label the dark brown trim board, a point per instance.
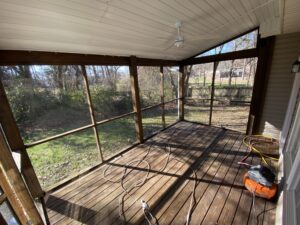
(249, 53)
(228, 40)
(182, 71)
(135, 92)
(162, 95)
(15, 57)
(265, 52)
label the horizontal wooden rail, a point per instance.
(158, 105)
(175, 99)
(85, 171)
(249, 53)
(114, 118)
(58, 136)
(75, 130)
(195, 98)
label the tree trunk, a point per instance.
(77, 77)
(174, 87)
(60, 79)
(187, 78)
(230, 73)
(244, 69)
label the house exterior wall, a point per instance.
(286, 51)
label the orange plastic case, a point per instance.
(258, 189)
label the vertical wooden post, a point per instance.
(92, 112)
(265, 52)
(136, 99)
(2, 221)
(212, 95)
(249, 130)
(15, 188)
(16, 144)
(162, 96)
(181, 92)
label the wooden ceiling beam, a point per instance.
(249, 53)
(16, 57)
(224, 42)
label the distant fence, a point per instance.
(226, 93)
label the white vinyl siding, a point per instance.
(286, 51)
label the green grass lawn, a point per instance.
(56, 160)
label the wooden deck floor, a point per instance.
(211, 152)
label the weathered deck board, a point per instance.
(220, 196)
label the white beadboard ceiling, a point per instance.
(145, 28)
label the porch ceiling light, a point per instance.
(296, 66)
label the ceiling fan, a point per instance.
(180, 39)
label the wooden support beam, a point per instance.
(162, 96)
(181, 92)
(226, 41)
(2, 221)
(92, 111)
(265, 52)
(212, 95)
(15, 142)
(155, 62)
(14, 57)
(14, 187)
(136, 99)
(249, 53)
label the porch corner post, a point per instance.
(16, 144)
(136, 99)
(162, 96)
(181, 94)
(265, 53)
(212, 95)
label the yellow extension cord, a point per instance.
(254, 149)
